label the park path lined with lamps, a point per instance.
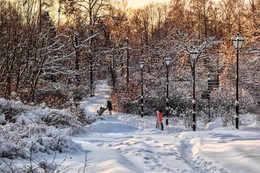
(237, 42)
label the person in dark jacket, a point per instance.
(109, 106)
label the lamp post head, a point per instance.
(238, 41)
(194, 54)
(168, 61)
(141, 63)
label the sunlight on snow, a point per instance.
(111, 127)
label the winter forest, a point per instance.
(52, 53)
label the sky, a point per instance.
(127, 143)
(139, 3)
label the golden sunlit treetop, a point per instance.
(140, 3)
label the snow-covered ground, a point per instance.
(124, 143)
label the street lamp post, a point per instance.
(208, 96)
(194, 55)
(237, 42)
(127, 61)
(167, 61)
(141, 63)
(91, 80)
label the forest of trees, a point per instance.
(55, 50)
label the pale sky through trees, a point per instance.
(139, 3)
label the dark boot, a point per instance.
(162, 125)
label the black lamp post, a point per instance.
(91, 80)
(141, 63)
(127, 61)
(237, 42)
(194, 55)
(208, 96)
(167, 61)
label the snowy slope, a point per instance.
(125, 143)
(122, 143)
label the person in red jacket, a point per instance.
(159, 119)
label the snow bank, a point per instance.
(111, 127)
(212, 125)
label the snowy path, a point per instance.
(130, 149)
(101, 96)
(145, 151)
(123, 143)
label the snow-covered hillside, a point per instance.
(124, 143)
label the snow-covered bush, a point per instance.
(10, 150)
(9, 112)
(212, 125)
(2, 119)
(4, 167)
(36, 130)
